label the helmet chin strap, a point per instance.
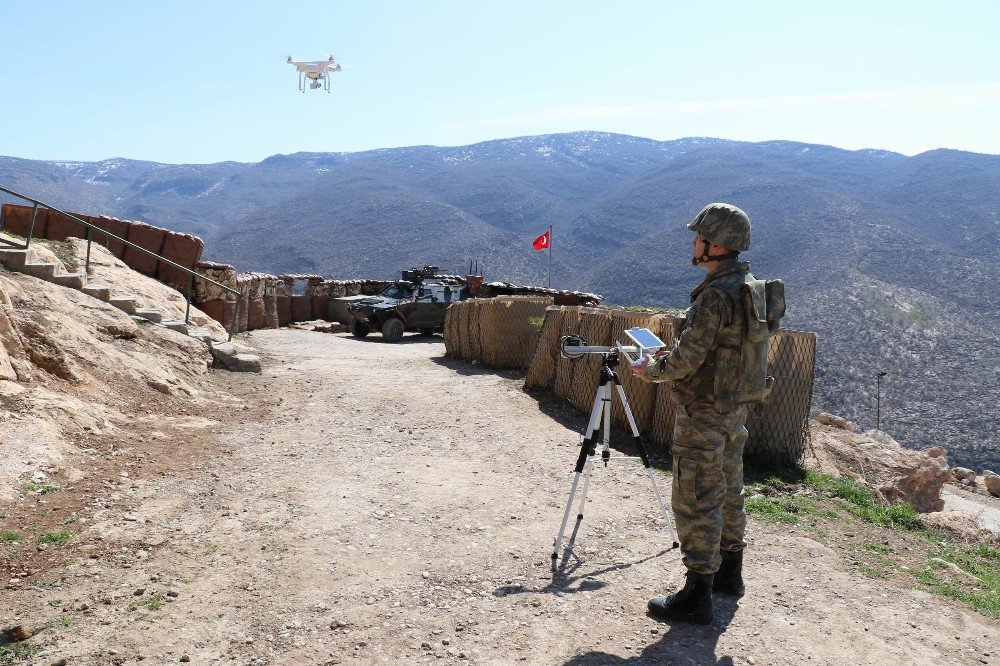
(705, 257)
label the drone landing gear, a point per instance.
(600, 419)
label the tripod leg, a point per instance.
(582, 461)
(645, 462)
(586, 486)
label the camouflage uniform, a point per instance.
(711, 409)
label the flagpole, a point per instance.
(550, 256)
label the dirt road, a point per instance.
(369, 503)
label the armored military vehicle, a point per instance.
(415, 303)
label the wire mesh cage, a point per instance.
(509, 329)
(779, 433)
(662, 431)
(595, 329)
(641, 395)
(542, 369)
(564, 367)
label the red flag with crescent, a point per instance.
(542, 242)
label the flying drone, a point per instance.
(315, 71)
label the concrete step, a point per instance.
(126, 303)
(13, 259)
(176, 325)
(154, 315)
(100, 291)
(202, 334)
(72, 280)
(42, 271)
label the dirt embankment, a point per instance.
(81, 384)
(370, 503)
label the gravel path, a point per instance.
(374, 503)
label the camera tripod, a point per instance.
(600, 419)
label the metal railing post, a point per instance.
(31, 227)
(86, 267)
(187, 313)
(236, 315)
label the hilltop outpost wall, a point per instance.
(524, 333)
(270, 301)
(298, 298)
(182, 249)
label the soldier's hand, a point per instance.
(640, 367)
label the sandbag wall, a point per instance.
(499, 332)
(270, 301)
(180, 248)
(322, 294)
(778, 435)
(559, 296)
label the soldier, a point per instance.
(718, 367)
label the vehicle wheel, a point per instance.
(359, 330)
(427, 331)
(392, 330)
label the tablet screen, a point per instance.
(645, 338)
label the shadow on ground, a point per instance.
(680, 643)
(408, 339)
(562, 412)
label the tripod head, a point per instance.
(574, 347)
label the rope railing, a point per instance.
(192, 275)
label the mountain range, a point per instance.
(891, 259)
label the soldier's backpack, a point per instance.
(765, 306)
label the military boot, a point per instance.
(729, 578)
(692, 604)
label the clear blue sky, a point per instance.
(207, 81)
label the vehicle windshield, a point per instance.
(397, 291)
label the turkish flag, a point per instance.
(542, 242)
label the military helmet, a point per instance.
(723, 224)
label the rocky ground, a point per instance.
(360, 502)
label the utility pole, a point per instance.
(550, 257)
(878, 400)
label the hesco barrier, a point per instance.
(595, 329)
(255, 314)
(641, 395)
(461, 328)
(118, 228)
(570, 325)
(542, 368)
(60, 227)
(17, 220)
(149, 238)
(661, 430)
(183, 249)
(781, 434)
(450, 339)
(778, 435)
(509, 328)
(475, 334)
(499, 332)
(180, 248)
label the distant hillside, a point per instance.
(891, 259)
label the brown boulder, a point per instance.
(992, 482)
(835, 421)
(876, 459)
